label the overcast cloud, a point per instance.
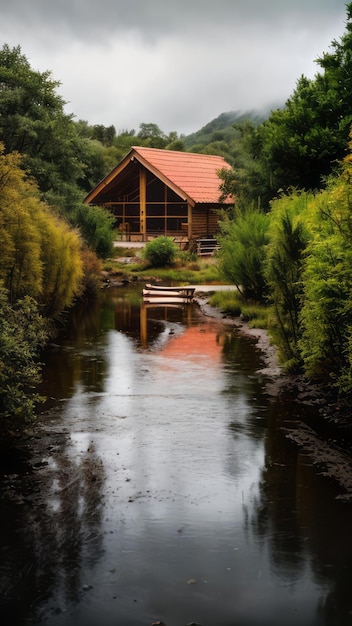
(176, 63)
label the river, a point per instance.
(159, 486)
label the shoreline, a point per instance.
(325, 439)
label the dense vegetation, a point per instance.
(288, 244)
(285, 244)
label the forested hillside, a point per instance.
(223, 127)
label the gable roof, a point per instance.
(192, 176)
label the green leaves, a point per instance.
(40, 255)
(22, 332)
(288, 236)
(241, 256)
(160, 252)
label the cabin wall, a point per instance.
(204, 222)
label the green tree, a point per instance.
(152, 136)
(65, 163)
(250, 181)
(41, 254)
(20, 255)
(33, 122)
(303, 142)
(104, 134)
(96, 226)
(288, 238)
(326, 315)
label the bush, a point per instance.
(160, 252)
(96, 227)
(22, 332)
(242, 253)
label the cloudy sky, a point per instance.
(175, 63)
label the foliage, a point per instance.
(22, 332)
(326, 315)
(288, 236)
(306, 139)
(95, 225)
(242, 252)
(223, 128)
(62, 265)
(247, 181)
(40, 255)
(229, 302)
(160, 252)
(91, 272)
(300, 144)
(66, 159)
(33, 122)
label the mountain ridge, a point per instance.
(225, 121)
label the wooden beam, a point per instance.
(143, 202)
(189, 219)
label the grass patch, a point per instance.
(124, 252)
(257, 316)
(185, 269)
(228, 302)
(231, 303)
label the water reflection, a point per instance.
(161, 487)
(50, 527)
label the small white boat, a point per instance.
(169, 292)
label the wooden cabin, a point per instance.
(154, 192)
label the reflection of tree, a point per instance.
(77, 354)
(276, 513)
(296, 515)
(49, 534)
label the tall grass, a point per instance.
(232, 303)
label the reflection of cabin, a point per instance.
(155, 192)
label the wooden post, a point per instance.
(165, 210)
(189, 219)
(143, 203)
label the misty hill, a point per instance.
(221, 128)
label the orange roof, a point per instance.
(191, 175)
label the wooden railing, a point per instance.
(207, 246)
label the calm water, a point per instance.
(160, 487)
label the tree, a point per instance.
(104, 134)
(288, 237)
(326, 316)
(303, 142)
(20, 262)
(152, 136)
(41, 254)
(64, 163)
(33, 122)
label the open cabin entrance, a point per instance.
(149, 209)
